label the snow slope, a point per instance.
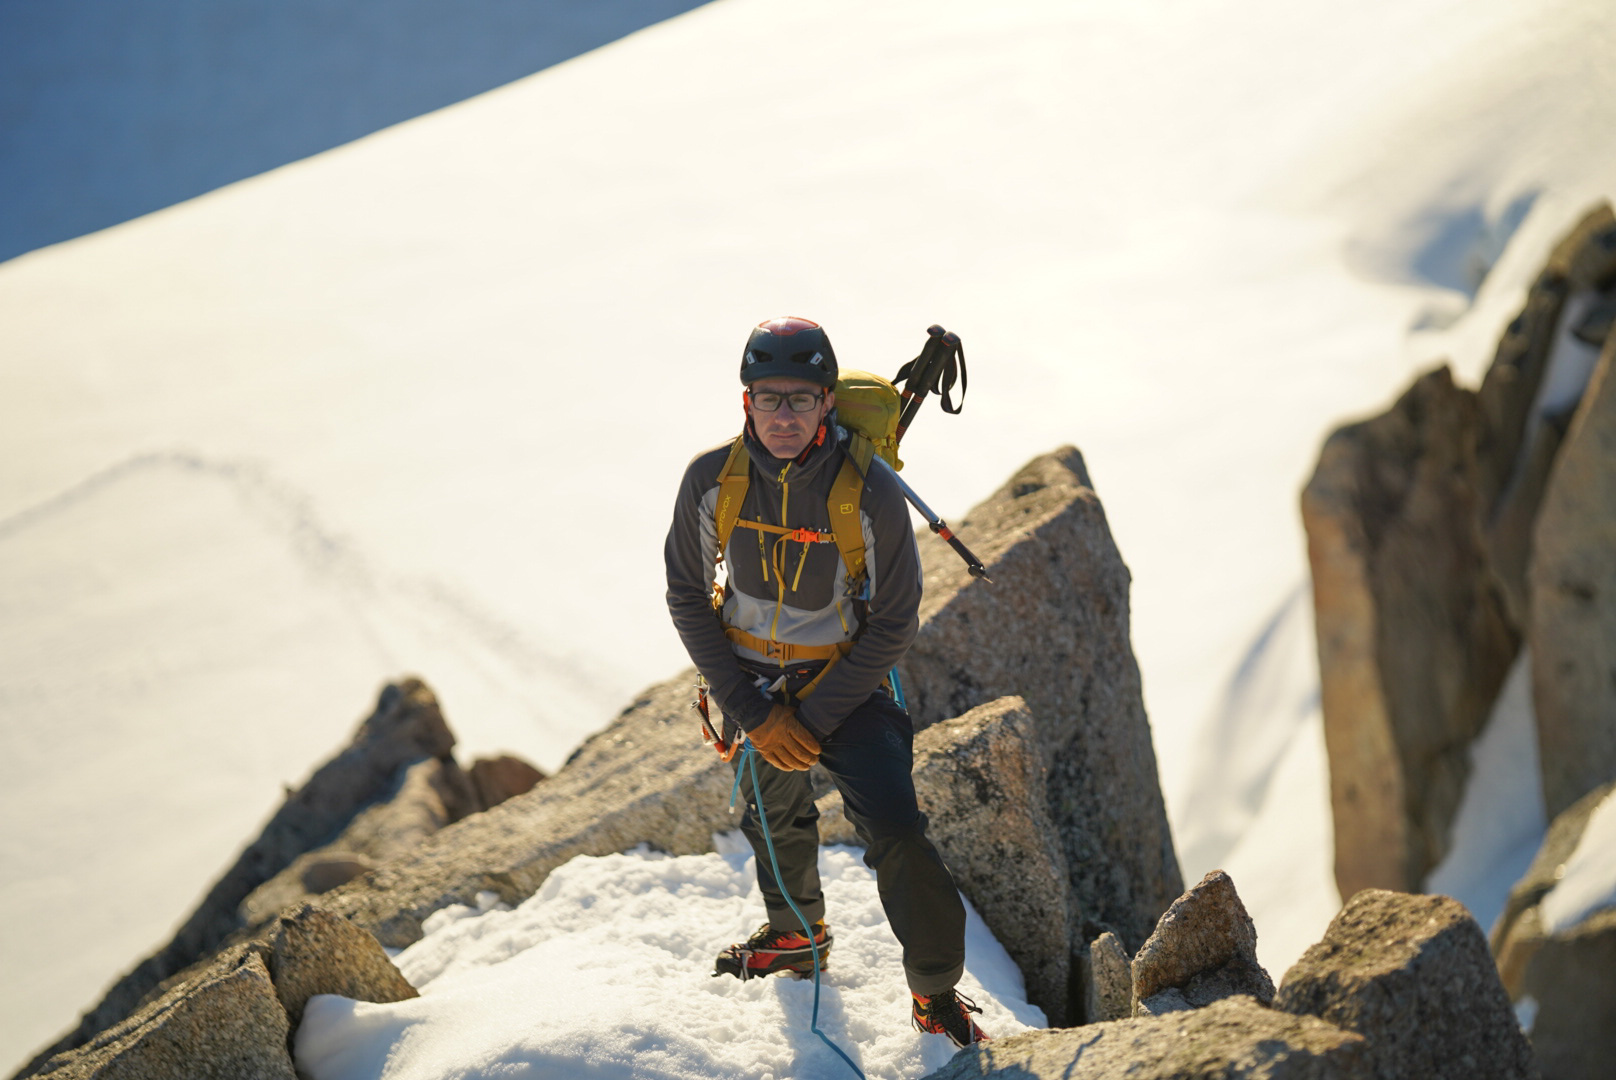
(115, 110)
(1187, 236)
(606, 970)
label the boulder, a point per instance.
(315, 952)
(1053, 628)
(1565, 977)
(1413, 635)
(1204, 949)
(499, 778)
(405, 727)
(233, 1015)
(1573, 602)
(981, 780)
(225, 1025)
(1233, 1039)
(1110, 981)
(1413, 976)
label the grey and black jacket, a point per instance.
(813, 605)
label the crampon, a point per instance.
(949, 1014)
(771, 952)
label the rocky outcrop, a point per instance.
(981, 779)
(1204, 949)
(406, 726)
(1110, 980)
(429, 795)
(1413, 976)
(1565, 977)
(1573, 602)
(646, 778)
(315, 952)
(233, 1016)
(1414, 641)
(1421, 525)
(1233, 1039)
(1053, 627)
(226, 1026)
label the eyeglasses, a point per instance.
(800, 401)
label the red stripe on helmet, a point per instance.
(787, 325)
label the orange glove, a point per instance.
(784, 742)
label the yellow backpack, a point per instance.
(869, 405)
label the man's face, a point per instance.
(784, 433)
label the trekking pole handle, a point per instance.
(937, 524)
(923, 374)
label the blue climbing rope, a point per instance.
(897, 691)
(749, 756)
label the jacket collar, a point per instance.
(804, 465)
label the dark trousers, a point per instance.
(869, 757)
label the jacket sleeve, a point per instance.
(893, 617)
(691, 554)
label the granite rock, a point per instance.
(1573, 602)
(1110, 982)
(226, 1025)
(1233, 1039)
(1413, 634)
(980, 779)
(1413, 976)
(1422, 526)
(1565, 977)
(1204, 948)
(1053, 627)
(314, 952)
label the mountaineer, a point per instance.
(819, 601)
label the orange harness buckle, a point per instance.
(806, 536)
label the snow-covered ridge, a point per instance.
(607, 968)
(1136, 217)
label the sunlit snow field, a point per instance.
(420, 403)
(606, 972)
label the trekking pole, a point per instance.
(941, 361)
(937, 524)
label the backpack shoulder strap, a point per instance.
(843, 506)
(733, 480)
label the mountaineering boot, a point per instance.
(948, 1013)
(770, 950)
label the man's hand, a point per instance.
(784, 742)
